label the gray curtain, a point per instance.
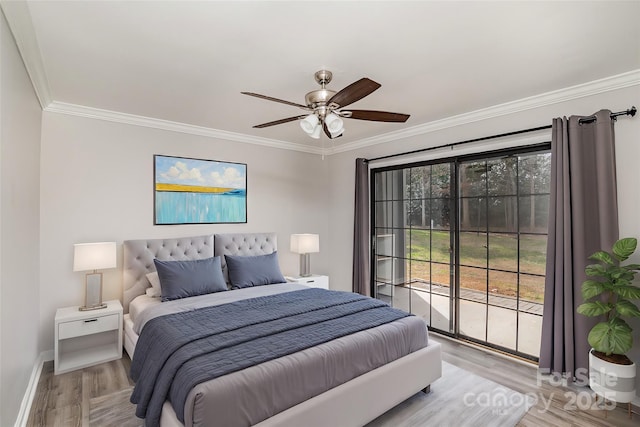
(583, 219)
(361, 234)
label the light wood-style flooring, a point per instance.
(67, 399)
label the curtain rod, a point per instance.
(630, 112)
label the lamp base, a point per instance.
(93, 307)
(305, 265)
(93, 292)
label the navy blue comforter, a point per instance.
(176, 352)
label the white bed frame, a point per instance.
(352, 404)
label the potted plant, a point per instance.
(610, 293)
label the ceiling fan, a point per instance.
(326, 107)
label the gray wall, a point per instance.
(20, 121)
(97, 185)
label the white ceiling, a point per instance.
(187, 62)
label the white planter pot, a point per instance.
(612, 381)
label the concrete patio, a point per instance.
(505, 326)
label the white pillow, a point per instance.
(154, 291)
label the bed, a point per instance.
(333, 385)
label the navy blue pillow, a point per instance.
(181, 279)
(246, 271)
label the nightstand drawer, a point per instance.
(89, 326)
(313, 281)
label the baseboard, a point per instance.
(29, 394)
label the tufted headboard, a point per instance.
(139, 255)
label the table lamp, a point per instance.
(304, 244)
(93, 257)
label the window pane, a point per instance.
(503, 289)
(503, 214)
(420, 304)
(420, 182)
(501, 327)
(390, 214)
(473, 319)
(440, 214)
(473, 284)
(473, 179)
(473, 214)
(441, 180)
(420, 244)
(440, 312)
(503, 251)
(385, 242)
(383, 214)
(534, 214)
(420, 275)
(441, 246)
(473, 249)
(440, 278)
(532, 289)
(397, 184)
(419, 213)
(529, 333)
(533, 253)
(534, 173)
(502, 176)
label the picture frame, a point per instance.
(198, 191)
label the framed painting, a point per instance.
(196, 191)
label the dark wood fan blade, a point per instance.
(279, 122)
(282, 101)
(377, 116)
(354, 92)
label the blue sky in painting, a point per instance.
(177, 170)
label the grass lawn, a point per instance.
(477, 253)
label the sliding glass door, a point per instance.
(462, 243)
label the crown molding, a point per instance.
(131, 119)
(619, 81)
(19, 20)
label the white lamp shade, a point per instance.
(334, 124)
(94, 256)
(305, 243)
(309, 124)
(316, 132)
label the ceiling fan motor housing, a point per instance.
(318, 97)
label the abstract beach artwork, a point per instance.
(195, 191)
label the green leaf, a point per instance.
(627, 308)
(604, 257)
(620, 273)
(623, 248)
(595, 270)
(594, 308)
(611, 337)
(628, 292)
(618, 322)
(631, 267)
(591, 288)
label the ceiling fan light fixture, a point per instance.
(309, 124)
(316, 132)
(335, 125)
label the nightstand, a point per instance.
(314, 281)
(86, 338)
